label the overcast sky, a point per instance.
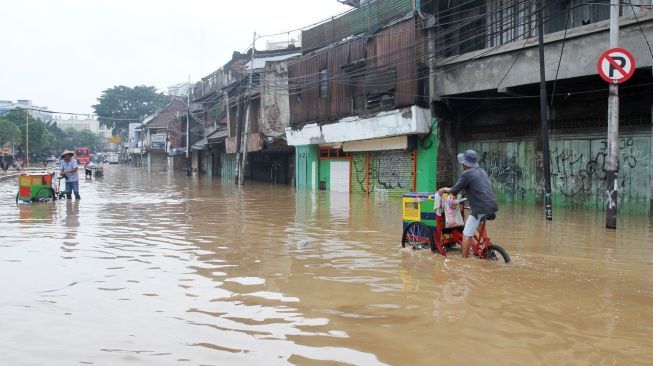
(63, 53)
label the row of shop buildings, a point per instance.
(379, 100)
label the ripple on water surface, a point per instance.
(164, 269)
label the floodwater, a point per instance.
(167, 270)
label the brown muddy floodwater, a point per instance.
(169, 270)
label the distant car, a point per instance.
(51, 159)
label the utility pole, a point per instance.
(613, 128)
(241, 178)
(188, 162)
(238, 133)
(26, 138)
(544, 115)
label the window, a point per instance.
(333, 153)
(324, 83)
(380, 87)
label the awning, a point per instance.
(200, 145)
(217, 136)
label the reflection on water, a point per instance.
(167, 270)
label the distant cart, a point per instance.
(38, 187)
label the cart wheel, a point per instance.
(436, 245)
(418, 236)
(45, 194)
(495, 253)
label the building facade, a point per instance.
(78, 124)
(486, 98)
(359, 104)
(244, 111)
(163, 137)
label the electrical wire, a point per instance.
(311, 81)
(648, 44)
(562, 50)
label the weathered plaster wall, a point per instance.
(275, 111)
(405, 121)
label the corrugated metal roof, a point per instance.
(199, 145)
(218, 135)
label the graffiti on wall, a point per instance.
(388, 171)
(505, 173)
(579, 170)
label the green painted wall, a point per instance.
(511, 167)
(325, 173)
(578, 171)
(427, 160)
(305, 156)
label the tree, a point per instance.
(122, 105)
(38, 133)
(9, 133)
(59, 140)
(86, 138)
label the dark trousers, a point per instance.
(72, 187)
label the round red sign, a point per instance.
(616, 65)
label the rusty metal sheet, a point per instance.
(390, 61)
(255, 142)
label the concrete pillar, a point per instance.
(306, 166)
(209, 164)
(149, 162)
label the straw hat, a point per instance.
(67, 152)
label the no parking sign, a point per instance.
(616, 65)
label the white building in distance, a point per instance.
(79, 124)
(34, 111)
(179, 90)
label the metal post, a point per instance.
(26, 138)
(544, 115)
(189, 170)
(613, 128)
(241, 179)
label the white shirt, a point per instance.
(72, 164)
